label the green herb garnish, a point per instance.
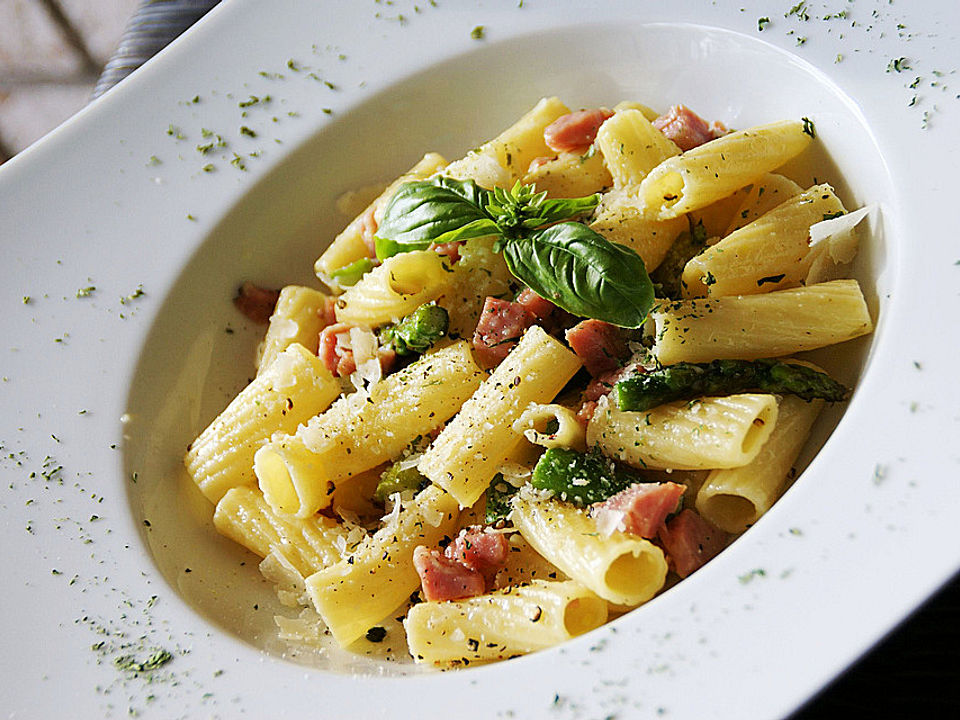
(376, 634)
(566, 262)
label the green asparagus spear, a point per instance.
(580, 478)
(685, 381)
(668, 272)
(418, 330)
(350, 274)
(396, 480)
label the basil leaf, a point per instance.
(582, 272)
(428, 211)
(557, 209)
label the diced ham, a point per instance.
(586, 411)
(539, 306)
(690, 541)
(575, 131)
(368, 228)
(603, 385)
(600, 345)
(684, 127)
(480, 550)
(450, 250)
(328, 313)
(334, 350)
(605, 382)
(501, 325)
(445, 579)
(256, 302)
(718, 129)
(645, 507)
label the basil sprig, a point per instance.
(571, 265)
(433, 211)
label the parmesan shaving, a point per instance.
(366, 355)
(410, 461)
(307, 628)
(290, 586)
(392, 517)
(515, 473)
(843, 245)
(608, 521)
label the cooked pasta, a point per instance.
(298, 318)
(770, 253)
(717, 169)
(467, 454)
(299, 472)
(503, 623)
(757, 326)
(497, 428)
(293, 388)
(710, 432)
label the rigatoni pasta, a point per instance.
(759, 326)
(735, 498)
(503, 623)
(299, 472)
(466, 455)
(293, 388)
(717, 169)
(495, 426)
(298, 318)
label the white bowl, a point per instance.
(859, 540)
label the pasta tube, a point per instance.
(308, 544)
(734, 499)
(471, 448)
(632, 146)
(570, 175)
(770, 253)
(624, 569)
(395, 289)
(712, 432)
(534, 421)
(502, 624)
(299, 472)
(718, 168)
(365, 587)
(764, 195)
(621, 220)
(297, 318)
(749, 327)
(292, 389)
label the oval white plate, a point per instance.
(107, 557)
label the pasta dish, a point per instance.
(539, 384)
